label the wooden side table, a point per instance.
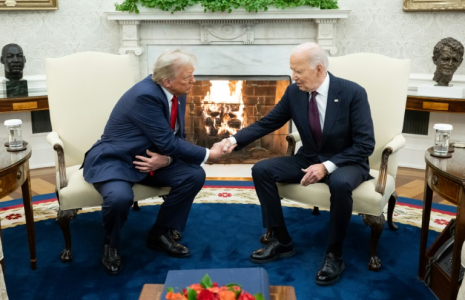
(31, 103)
(278, 292)
(14, 172)
(446, 177)
(435, 104)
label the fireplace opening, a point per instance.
(219, 106)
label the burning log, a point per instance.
(235, 123)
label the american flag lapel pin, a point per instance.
(336, 100)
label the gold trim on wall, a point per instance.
(433, 5)
(28, 4)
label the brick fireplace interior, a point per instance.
(219, 106)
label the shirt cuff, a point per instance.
(232, 140)
(206, 156)
(330, 167)
(169, 160)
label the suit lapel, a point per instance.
(332, 107)
(181, 113)
(165, 102)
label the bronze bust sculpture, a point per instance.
(447, 56)
(14, 60)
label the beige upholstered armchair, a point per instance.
(385, 80)
(83, 88)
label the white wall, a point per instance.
(377, 26)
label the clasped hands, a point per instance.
(155, 161)
(220, 149)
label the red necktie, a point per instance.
(174, 112)
(314, 119)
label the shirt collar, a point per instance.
(168, 95)
(324, 87)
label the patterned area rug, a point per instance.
(407, 211)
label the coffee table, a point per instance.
(278, 292)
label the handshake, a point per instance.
(220, 149)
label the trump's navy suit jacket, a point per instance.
(347, 136)
(139, 121)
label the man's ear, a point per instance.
(1, 60)
(166, 82)
(24, 58)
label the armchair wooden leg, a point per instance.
(136, 206)
(265, 238)
(316, 211)
(63, 218)
(391, 205)
(376, 224)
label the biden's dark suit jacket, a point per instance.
(139, 121)
(347, 137)
(347, 141)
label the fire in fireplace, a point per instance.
(219, 106)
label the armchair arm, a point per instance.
(54, 139)
(292, 139)
(393, 146)
(398, 142)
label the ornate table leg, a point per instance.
(29, 213)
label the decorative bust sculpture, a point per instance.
(14, 60)
(447, 56)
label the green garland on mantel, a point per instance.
(222, 5)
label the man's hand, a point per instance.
(314, 173)
(228, 148)
(216, 150)
(154, 162)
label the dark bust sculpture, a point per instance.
(14, 60)
(447, 56)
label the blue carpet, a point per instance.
(219, 236)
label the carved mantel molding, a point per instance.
(229, 28)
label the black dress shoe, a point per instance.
(175, 235)
(331, 270)
(111, 260)
(166, 244)
(272, 251)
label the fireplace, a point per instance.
(237, 43)
(219, 106)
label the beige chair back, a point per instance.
(382, 89)
(83, 88)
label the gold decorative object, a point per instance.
(433, 5)
(29, 5)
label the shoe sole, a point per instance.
(319, 282)
(264, 261)
(182, 255)
(112, 273)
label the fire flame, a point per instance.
(223, 108)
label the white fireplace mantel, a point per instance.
(193, 27)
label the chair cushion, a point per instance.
(79, 193)
(366, 199)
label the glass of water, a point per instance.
(15, 140)
(441, 138)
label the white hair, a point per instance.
(314, 53)
(169, 62)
